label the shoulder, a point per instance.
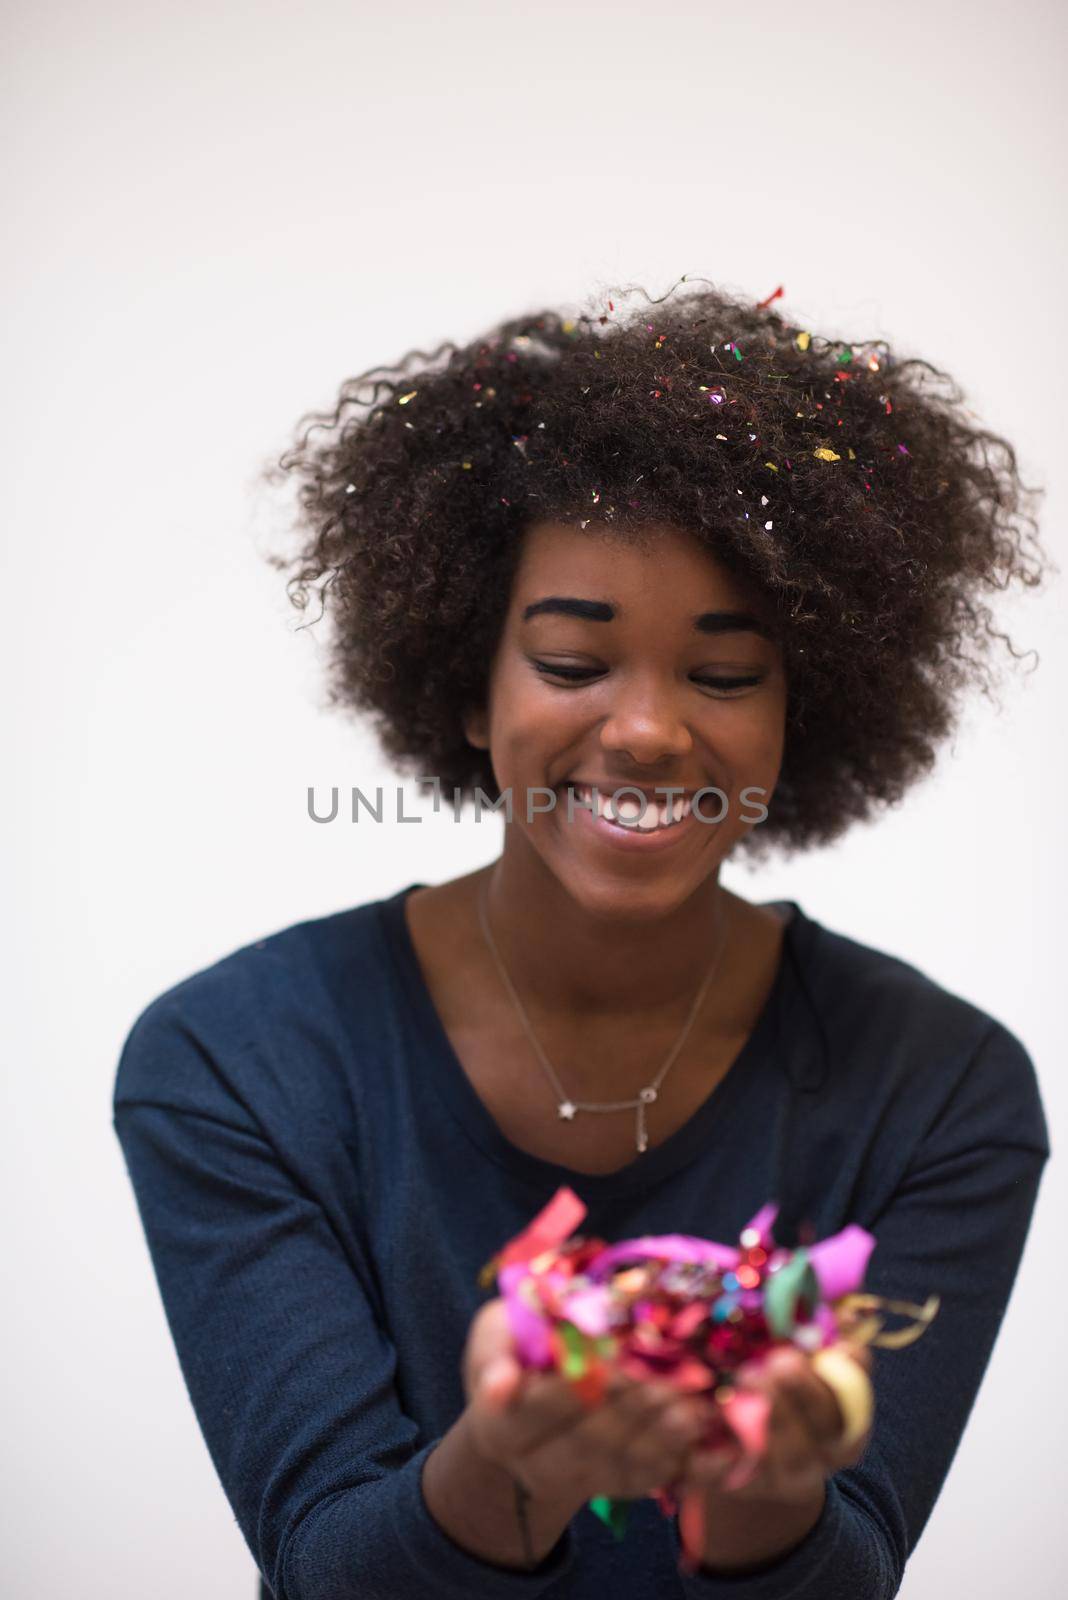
(279, 1002)
(929, 1055)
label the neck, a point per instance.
(567, 960)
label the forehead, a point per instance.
(664, 566)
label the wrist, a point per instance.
(474, 1501)
(744, 1534)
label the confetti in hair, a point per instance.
(411, 518)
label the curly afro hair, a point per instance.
(853, 489)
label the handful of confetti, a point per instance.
(696, 1314)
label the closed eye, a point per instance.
(579, 675)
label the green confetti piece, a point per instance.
(844, 357)
(611, 1512)
(576, 1357)
(793, 1284)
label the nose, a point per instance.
(646, 724)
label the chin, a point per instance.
(621, 896)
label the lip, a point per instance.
(620, 836)
(654, 791)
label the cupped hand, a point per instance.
(805, 1442)
(634, 1440)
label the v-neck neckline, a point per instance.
(708, 1125)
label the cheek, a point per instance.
(749, 736)
(530, 727)
(766, 748)
(769, 729)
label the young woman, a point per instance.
(662, 588)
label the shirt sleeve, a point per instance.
(290, 1374)
(955, 1226)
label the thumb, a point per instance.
(498, 1382)
(493, 1370)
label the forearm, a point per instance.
(474, 1502)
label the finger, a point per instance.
(489, 1338)
(491, 1353)
(570, 1450)
(495, 1378)
(549, 1406)
(791, 1454)
(810, 1399)
(822, 1416)
(647, 1421)
(499, 1382)
(844, 1370)
(543, 1405)
(709, 1468)
(654, 1452)
(795, 1452)
(610, 1428)
(629, 1448)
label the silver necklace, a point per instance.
(566, 1108)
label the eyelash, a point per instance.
(585, 674)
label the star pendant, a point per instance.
(566, 1109)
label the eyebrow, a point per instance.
(604, 611)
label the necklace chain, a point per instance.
(567, 1108)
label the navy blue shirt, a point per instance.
(319, 1185)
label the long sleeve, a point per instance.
(956, 1225)
(290, 1374)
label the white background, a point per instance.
(217, 212)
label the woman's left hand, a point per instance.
(804, 1439)
(737, 1514)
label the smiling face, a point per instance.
(626, 664)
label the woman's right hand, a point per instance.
(533, 1424)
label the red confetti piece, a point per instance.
(776, 294)
(550, 1228)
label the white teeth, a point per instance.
(629, 812)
